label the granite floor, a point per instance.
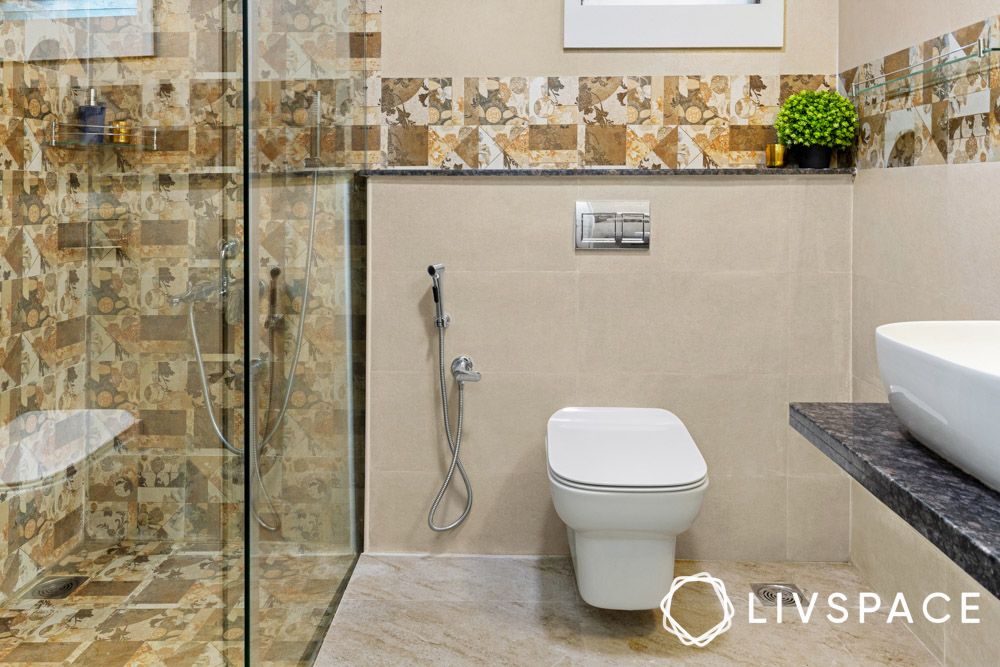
(161, 603)
(425, 610)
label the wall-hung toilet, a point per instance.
(626, 482)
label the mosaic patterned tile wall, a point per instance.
(43, 308)
(638, 122)
(94, 242)
(951, 116)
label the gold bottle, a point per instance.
(120, 132)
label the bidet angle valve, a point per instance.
(441, 318)
(463, 370)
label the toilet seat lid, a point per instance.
(623, 447)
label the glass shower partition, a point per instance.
(305, 231)
(181, 300)
(121, 342)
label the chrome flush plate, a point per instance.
(612, 225)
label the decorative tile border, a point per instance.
(935, 120)
(636, 122)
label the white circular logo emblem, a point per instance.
(676, 629)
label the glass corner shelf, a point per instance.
(930, 72)
(114, 137)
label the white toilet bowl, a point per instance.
(626, 482)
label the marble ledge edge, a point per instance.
(612, 172)
(961, 548)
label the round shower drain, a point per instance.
(55, 588)
(769, 594)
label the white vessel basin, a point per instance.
(943, 380)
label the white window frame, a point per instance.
(671, 25)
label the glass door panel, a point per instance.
(306, 143)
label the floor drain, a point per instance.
(54, 588)
(769, 594)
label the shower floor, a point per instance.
(163, 603)
(425, 610)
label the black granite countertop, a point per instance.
(785, 171)
(959, 514)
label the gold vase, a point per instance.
(775, 155)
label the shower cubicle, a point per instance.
(181, 317)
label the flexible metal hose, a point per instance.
(255, 448)
(221, 436)
(454, 445)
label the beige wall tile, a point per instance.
(971, 645)
(402, 311)
(743, 517)
(479, 240)
(711, 323)
(514, 322)
(819, 518)
(866, 392)
(818, 240)
(703, 335)
(915, 567)
(819, 331)
(404, 417)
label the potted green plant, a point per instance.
(814, 123)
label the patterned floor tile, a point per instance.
(170, 604)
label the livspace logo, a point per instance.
(671, 625)
(935, 608)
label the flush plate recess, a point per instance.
(768, 594)
(54, 588)
(612, 225)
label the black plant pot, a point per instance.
(813, 157)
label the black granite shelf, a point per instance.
(574, 173)
(959, 514)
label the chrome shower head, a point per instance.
(436, 272)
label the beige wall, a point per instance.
(917, 569)
(524, 38)
(741, 305)
(870, 29)
(926, 246)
